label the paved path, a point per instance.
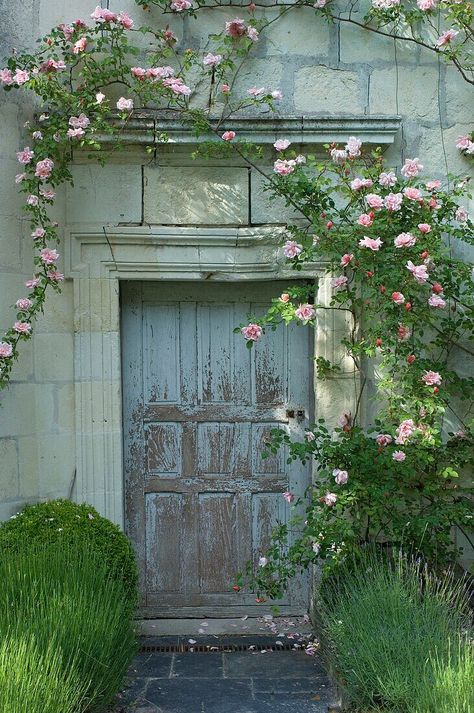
(226, 682)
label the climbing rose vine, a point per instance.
(388, 239)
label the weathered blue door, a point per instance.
(198, 406)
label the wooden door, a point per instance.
(198, 406)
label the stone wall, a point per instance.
(322, 70)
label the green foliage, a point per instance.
(398, 637)
(65, 522)
(36, 681)
(64, 616)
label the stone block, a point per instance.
(28, 467)
(65, 407)
(58, 311)
(417, 92)
(9, 469)
(17, 410)
(56, 465)
(9, 131)
(459, 102)
(10, 243)
(301, 32)
(319, 89)
(109, 194)
(12, 201)
(196, 195)
(54, 357)
(432, 154)
(266, 73)
(266, 210)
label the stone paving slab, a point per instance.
(220, 682)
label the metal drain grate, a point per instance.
(212, 648)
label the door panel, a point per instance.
(198, 407)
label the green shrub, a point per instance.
(63, 602)
(398, 637)
(64, 521)
(37, 682)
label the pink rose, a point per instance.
(31, 284)
(345, 420)
(411, 167)
(424, 227)
(412, 194)
(44, 168)
(340, 476)
(21, 76)
(284, 167)
(404, 431)
(25, 156)
(235, 28)
(47, 193)
(405, 240)
(358, 183)
(338, 155)
(23, 304)
(55, 276)
(276, 94)
(398, 298)
(124, 104)
(20, 177)
(75, 133)
(282, 144)
(291, 249)
(180, 5)
(252, 332)
(433, 185)
(371, 243)
(419, 272)
(387, 179)
(353, 146)
(252, 34)
(462, 142)
(383, 439)
(125, 20)
(32, 200)
(138, 72)
(228, 135)
(403, 332)
(319, 4)
(6, 350)
(436, 301)
(225, 88)
(49, 256)
(80, 45)
(330, 499)
(99, 98)
(374, 201)
(432, 378)
(6, 77)
(345, 259)
(365, 220)
(288, 495)
(284, 297)
(461, 215)
(305, 312)
(22, 327)
(256, 91)
(426, 4)
(446, 37)
(340, 281)
(310, 437)
(399, 456)
(212, 60)
(393, 201)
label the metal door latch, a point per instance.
(299, 414)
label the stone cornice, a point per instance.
(300, 130)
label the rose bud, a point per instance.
(329, 224)
(378, 342)
(411, 358)
(437, 288)
(236, 588)
(408, 306)
(425, 254)
(369, 273)
(382, 289)
(436, 390)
